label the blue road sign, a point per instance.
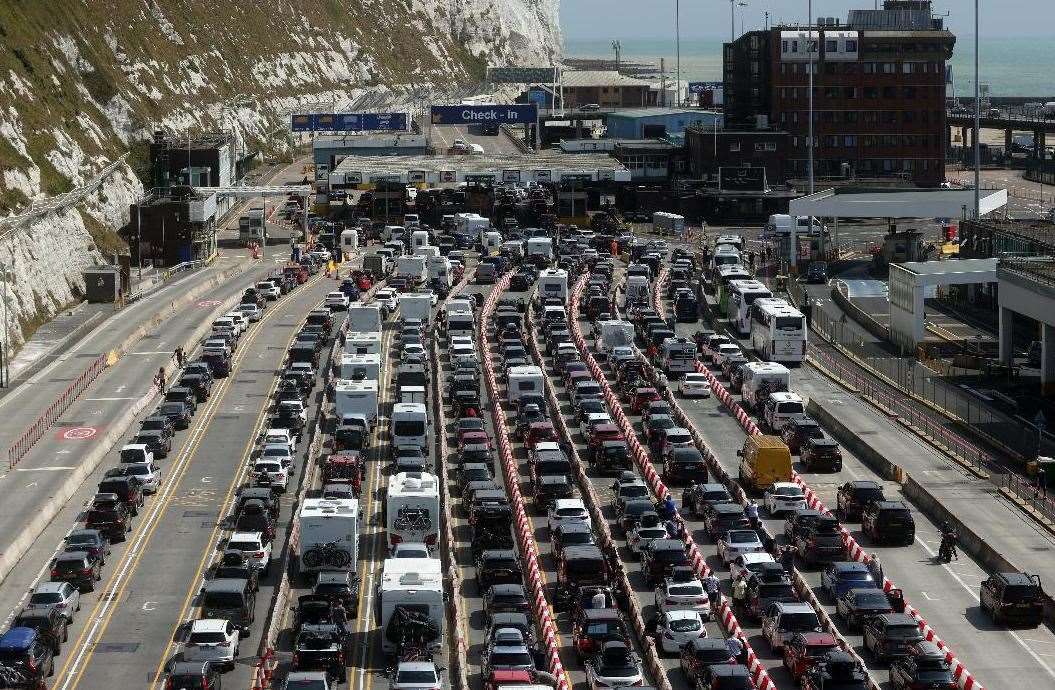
(698, 87)
(516, 114)
(348, 122)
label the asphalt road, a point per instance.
(443, 137)
(946, 594)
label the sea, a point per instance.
(1010, 66)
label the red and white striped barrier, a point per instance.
(960, 672)
(528, 547)
(641, 456)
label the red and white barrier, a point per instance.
(960, 672)
(641, 456)
(528, 547)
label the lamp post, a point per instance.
(977, 124)
(677, 49)
(810, 65)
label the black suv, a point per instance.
(193, 674)
(684, 465)
(888, 522)
(838, 671)
(51, 625)
(108, 515)
(80, 568)
(924, 667)
(853, 496)
(498, 567)
(1013, 599)
(891, 635)
(719, 518)
(659, 557)
(127, 489)
(821, 541)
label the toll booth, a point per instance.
(101, 284)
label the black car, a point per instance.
(701, 653)
(127, 489)
(109, 515)
(506, 599)
(498, 566)
(79, 568)
(339, 585)
(817, 272)
(571, 534)
(183, 395)
(201, 385)
(51, 624)
(683, 465)
(888, 522)
(28, 653)
(178, 412)
(632, 510)
(821, 541)
(156, 442)
(659, 557)
(219, 363)
(854, 495)
(550, 487)
(725, 677)
(1013, 599)
(91, 541)
(719, 518)
(891, 635)
(838, 671)
(856, 605)
(158, 422)
(193, 674)
(925, 668)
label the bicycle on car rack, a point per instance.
(330, 554)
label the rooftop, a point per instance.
(663, 112)
(587, 78)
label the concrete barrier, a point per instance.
(55, 503)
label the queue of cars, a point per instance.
(28, 649)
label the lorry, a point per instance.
(782, 225)
(409, 586)
(363, 318)
(760, 379)
(553, 282)
(612, 334)
(470, 222)
(412, 509)
(416, 305)
(413, 267)
(359, 367)
(678, 356)
(460, 318)
(490, 242)
(356, 399)
(664, 223)
(251, 227)
(329, 534)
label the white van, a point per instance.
(553, 282)
(410, 425)
(782, 408)
(524, 380)
(412, 509)
(415, 584)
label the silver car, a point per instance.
(64, 597)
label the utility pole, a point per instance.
(139, 238)
(677, 49)
(7, 340)
(618, 48)
(662, 82)
(767, 19)
(977, 124)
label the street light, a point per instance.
(7, 341)
(677, 47)
(810, 66)
(977, 124)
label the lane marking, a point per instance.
(63, 468)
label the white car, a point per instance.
(270, 291)
(255, 548)
(239, 320)
(639, 536)
(413, 350)
(214, 640)
(61, 596)
(337, 301)
(251, 311)
(615, 667)
(410, 549)
(682, 594)
(748, 563)
(694, 386)
(593, 419)
(387, 297)
(675, 629)
(621, 353)
(725, 351)
(737, 542)
(463, 356)
(308, 680)
(148, 474)
(566, 510)
(280, 436)
(277, 475)
(784, 497)
(416, 675)
(277, 452)
(456, 340)
(217, 344)
(782, 620)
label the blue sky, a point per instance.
(610, 19)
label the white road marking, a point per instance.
(110, 399)
(974, 595)
(44, 469)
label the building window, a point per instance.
(828, 116)
(849, 92)
(754, 67)
(890, 117)
(871, 92)
(831, 92)
(783, 117)
(783, 93)
(794, 46)
(851, 45)
(831, 46)
(850, 68)
(794, 142)
(831, 141)
(850, 117)
(906, 68)
(783, 68)
(795, 118)
(754, 42)
(734, 146)
(909, 91)
(754, 91)
(908, 116)
(850, 141)
(889, 92)
(889, 68)
(784, 46)
(765, 146)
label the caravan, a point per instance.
(360, 368)
(553, 282)
(359, 343)
(329, 534)
(524, 380)
(412, 509)
(411, 586)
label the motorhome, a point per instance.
(524, 380)
(360, 343)
(329, 534)
(668, 223)
(414, 585)
(761, 379)
(540, 247)
(416, 305)
(553, 282)
(364, 318)
(612, 334)
(678, 356)
(636, 292)
(412, 508)
(356, 399)
(419, 238)
(360, 367)
(349, 242)
(413, 267)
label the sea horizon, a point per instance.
(1008, 65)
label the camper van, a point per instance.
(412, 508)
(363, 318)
(410, 425)
(553, 282)
(414, 585)
(350, 242)
(525, 380)
(328, 521)
(360, 343)
(360, 368)
(356, 399)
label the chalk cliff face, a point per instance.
(85, 82)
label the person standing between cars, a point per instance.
(751, 513)
(740, 590)
(876, 568)
(598, 601)
(712, 585)
(735, 647)
(787, 558)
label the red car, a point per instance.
(539, 432)
(605, 432)
(804, 650)
(501, 677)
(642, 397)
(474, 438)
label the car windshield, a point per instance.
(871, 600)
(68, 566)
(45, 598)
(307, 684)
(140, 470)
(776, 590)
(222, 600)
(571, 512)
(902, 632)
(799, 621)
(743, 537)
(82, 539)
(185, 682)
(207, 637)
(598, 629)
(511, 659)
(661, 422)
(620, 669)
(685, 625)
(652, 532)
(669, 556)
(634, 491)
(689, 590)
(416, 677)
(788, 492)
(865, 495)
(244, 545)
(816, 651)
(934, 675)
(276, 452)
(854, 575)
(1020, 594)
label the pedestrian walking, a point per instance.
(1042, 483)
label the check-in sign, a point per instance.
(516, 114)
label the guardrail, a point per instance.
(163, 278)
(39, 427)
